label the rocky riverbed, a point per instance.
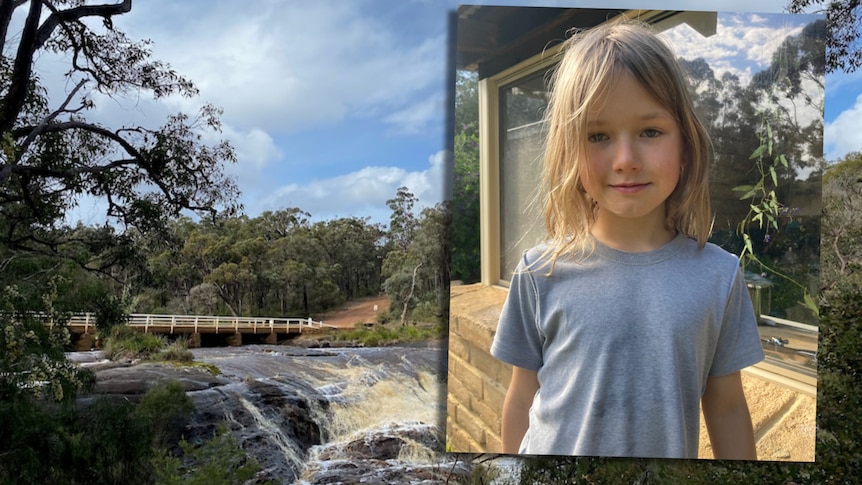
(374, 415)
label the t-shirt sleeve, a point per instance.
(738, 343)
(518, 341)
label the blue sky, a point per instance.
(334, 104)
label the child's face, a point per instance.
(635, 148)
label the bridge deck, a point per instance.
(85, 323)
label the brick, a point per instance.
(493, 443)
(478, 334)
(474, 427)
(459, 440)
(452, 406)
(485, 363)
(459, 347)
(494, 394)
(454, 326)
(489, 416)
(458, 392)
(468, 376)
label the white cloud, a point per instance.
(843, 135)
(417, 117)
(737, 36)
(254, 148)
(364, 192)
(287, 66)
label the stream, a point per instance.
(314, 416)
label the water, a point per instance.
(379, 413)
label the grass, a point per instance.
(378, 335)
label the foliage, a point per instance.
(177, 351)
(764, 208)
(219, 461)
(127, 343)
(841, 250)
(418, 271)
(767, 141)
(108, 442)
(379, 335)
(277, 264)
(52, 155)
(465, 189)
(165, 409)
(843, 41)
(32, 360)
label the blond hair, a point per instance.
(591, 62)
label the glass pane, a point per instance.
(766, 125)
(522, 138)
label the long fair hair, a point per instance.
(591, 62)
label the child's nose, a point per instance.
(625, 156)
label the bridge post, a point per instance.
(84, 342)
(235, 340)
(195, 340)
(271, 339)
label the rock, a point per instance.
(395, 453)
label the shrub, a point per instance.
(126, 343)
(177, 351)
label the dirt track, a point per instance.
(352, 312)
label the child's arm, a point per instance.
(516, 408)
(727, 419)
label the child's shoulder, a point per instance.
(712, 257)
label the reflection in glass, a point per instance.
(522, 140)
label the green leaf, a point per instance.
(758, 152)
(774, 176)
(809, 303)
(769, 137)
(756, 209)
(747, 239)
(783, 160)
(743, 188)
(759, 219)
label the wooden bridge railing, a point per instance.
(83, 322)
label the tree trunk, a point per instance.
(409, 295)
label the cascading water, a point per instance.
(331, 415)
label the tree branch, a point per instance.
(38, 129)
(21, 70)
(78, 13)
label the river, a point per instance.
(340, 415)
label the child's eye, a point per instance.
(597, 137)
(651, 133)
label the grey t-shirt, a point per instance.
(623, 344)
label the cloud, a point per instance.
(363, 192)
(288, 66)
(842, 135)
(417, 117)
(742, 44)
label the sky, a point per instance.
(332, 105)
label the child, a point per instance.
(626, 318)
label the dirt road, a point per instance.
(353, 312)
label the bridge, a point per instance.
(230, 329)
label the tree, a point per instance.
(464, 208)
(843, 47)
(51, 155)
(402, 221)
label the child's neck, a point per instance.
(631, 236)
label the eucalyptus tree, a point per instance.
(844, 41)
(51, 154)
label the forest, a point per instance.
(276, 264)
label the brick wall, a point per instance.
(477, 381)
(783, 419)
